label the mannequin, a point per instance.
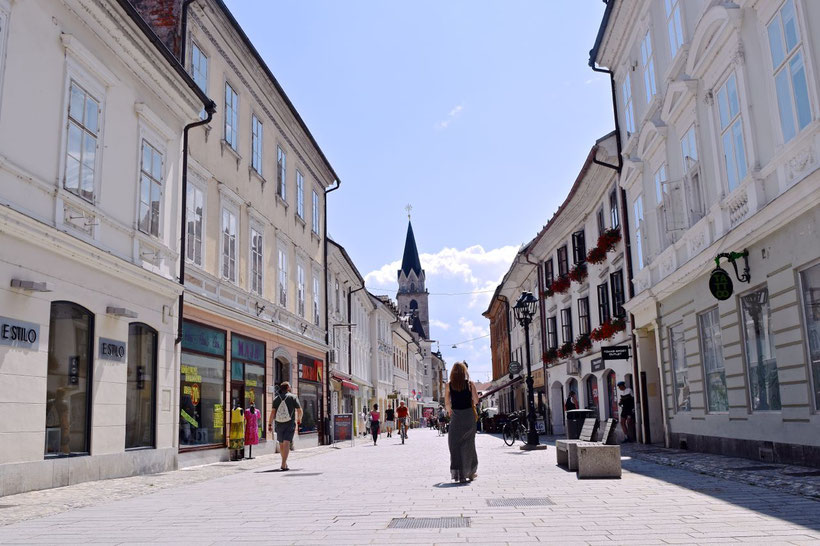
(252, 416)
(236, 436)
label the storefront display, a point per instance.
(248, 375)
(202, 384)
(140, 393)
(310, 389)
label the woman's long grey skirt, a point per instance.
(461, 437)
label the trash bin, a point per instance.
(575, 422)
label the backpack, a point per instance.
(282, 412)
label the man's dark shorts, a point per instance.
(285, 431)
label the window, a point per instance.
(584, 326)
(256, 261)
(789, 71)
(711, 343)
(648, 62)
(563, 261)
(616, 281)
(674, 27)
(566, 325)
(256, 144)
(760, 354)
(660, 186)
(202, 386)
(140, 398)
(599, 218)
(283, 278)
(68, 381)
(549, 275)
(613, 209)
(639, 231)
(689, 149)
(199, 71)
(316, 306)
(281, 173)
(300, 290)
(228, 245)
(810, 287)
(337, 295)
(315, 213)
(81, 149)
(300, 195)
(731, 131)
(680, 373)
(603, 303)
(231, 116)
(150, 189)
(552, 332)
(194, 217)
(629, 115)
(579, 247)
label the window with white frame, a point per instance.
(315, 218)
(673, 26)
(199, 71)
(810, 288)
(256, 144)
(228, 245)
(231, 116)
(637, 206)
(150, 189)
(300, 290)
(761, 360)
(711, 343)
(680, 373)
(648, 64)
(81, 149)
(629, 114)
(281, 173)
(613, 209)
(689, 149)
(731, 132)
(194, 218)
(300, 195)
(283, 278)
(789, 71)
(256, 261)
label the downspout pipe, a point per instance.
(184, 42)
(335, 187)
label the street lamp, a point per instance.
(524, 310)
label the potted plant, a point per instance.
(579, 272)
(560, 285)
(565, 351)
(583, 344)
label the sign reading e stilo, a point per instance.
(19, 334)
(111, 349)
(342, 427)
(615, 352)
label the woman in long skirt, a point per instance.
(460, 399)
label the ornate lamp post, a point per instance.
(524, 311)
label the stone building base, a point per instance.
(770, 452)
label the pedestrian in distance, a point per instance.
(375, 422)
(389, 421)
(460, 401)
(287, 415)
(442, 421)
(627, 403)
(572, 401)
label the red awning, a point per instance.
(349, 385)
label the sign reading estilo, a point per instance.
(16, 333)
(111, 349)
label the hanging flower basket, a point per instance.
(560, 285)
(608, 329)
(609, 239)
(566, 350)
(583, 344)
(596, 255)
(551, 356)
(579, 272)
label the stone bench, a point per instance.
(562, 447)
(595, 460)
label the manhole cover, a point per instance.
(803, 474)
(428, 523)
(532, 501)
(755, 468)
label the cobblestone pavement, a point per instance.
(350, 496)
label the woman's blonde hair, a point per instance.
(459, 376)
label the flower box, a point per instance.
(560, 285)
(579, 272)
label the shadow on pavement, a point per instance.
(447, 485)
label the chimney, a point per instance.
(165, 18)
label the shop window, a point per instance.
(680, 372)
(248, 376)
(760, 354)
(810, 286)
(68, 382)
(612, 395)
(711, 343)
(310, 388)
(140, 392)
(202, 386)
(591, 398)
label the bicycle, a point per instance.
(514, 429)
(403, 429)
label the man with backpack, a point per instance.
(287, 415)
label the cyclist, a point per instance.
(401, 414)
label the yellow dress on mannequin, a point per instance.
(236, 436)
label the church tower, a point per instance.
(412, 295)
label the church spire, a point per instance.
(410, 261)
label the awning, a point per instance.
(495, 390)
(349, 385)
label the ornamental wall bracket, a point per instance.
(733, 257)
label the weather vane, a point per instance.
(408, 208)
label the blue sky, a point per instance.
(479, 113)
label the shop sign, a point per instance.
(248, 350)
(310, 370)
(342, 427)
(111, 349)
(615, 352)
(392, 396)
(720, 284)
(16, 333)
(516, 367)
(597, 364)
(202, 339)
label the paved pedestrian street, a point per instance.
(351, 496)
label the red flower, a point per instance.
(579, 272)
(608, 239)
(560, 285)
(583, 344)
(596, 255)
(608, 329)
(566, 350)
(551, 356)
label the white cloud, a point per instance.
(439, 324)
(451, 115)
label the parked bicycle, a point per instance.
(515, 429)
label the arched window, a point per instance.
(68, 383)
(140, 393)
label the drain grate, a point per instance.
(755, 468)
(527, 501)
(803, 474)
(428, 523)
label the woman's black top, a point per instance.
(461, 399)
